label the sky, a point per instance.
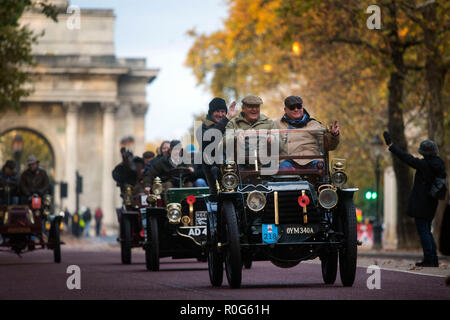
(156, 30)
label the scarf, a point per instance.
(299, 123)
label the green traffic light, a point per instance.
(374, 195)
(368, 195)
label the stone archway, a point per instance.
(33, 142)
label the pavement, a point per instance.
(386, 259)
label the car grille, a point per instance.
(289, 211)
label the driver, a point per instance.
(305, 143)
(9, 183)
(34, 180)
(163, 168)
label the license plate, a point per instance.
(269, 233)
(200, 218)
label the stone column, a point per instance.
(71, 164)
(139, 110)
(390, 209)
(109, 147)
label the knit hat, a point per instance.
(428, 148)
(217, 104)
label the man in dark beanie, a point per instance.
(422, 205)
(218, 117)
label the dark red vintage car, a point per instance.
(24, 228)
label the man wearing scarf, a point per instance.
(305, 143)
(34, 179)
(217, 118)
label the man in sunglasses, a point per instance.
(305, 143)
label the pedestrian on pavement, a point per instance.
(98, 221)
(422, 205)
(87, 217)
(76, 225)
(67, 219)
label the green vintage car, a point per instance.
(300, 211)
(176, 224)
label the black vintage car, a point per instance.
(132, 219)
(30, 226)
(282, 213)
(176, 223)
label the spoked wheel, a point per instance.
(57, 240)
(233, 260)
(215, 261)
(125, 243)
(152, 248)
(329, 267)
(348, 253)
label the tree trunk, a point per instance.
(406, 231)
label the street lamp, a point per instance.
(377, 149)
(17, 146)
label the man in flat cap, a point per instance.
(304, 143)
(217, 119)
(34, 180)
(250, 116)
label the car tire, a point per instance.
(125, 243)
(215, 258)
(329, 267)
(348, 252)
(233, 260)
(152, 248)
(248, 263)
(57, 241)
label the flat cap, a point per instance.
(252, 100)
(292, 100)
(31, 159)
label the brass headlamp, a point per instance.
(157, 187)
(338, 176)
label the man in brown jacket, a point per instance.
(302, 143)
(34, 179)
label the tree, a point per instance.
(15, 49)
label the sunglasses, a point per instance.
(295, 106)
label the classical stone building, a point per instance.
(85, 101)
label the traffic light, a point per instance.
(371, 195)
(79, 186)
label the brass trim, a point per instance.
(189, 237)
(185, 220)
(191, 214)
(256, 161)
(171, 206)
(275, 201)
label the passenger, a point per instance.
(34, 180)
(218, 117)
(9, 183)
(250, 117)
(148, 156)
(305, 143)
(125, 172)
(162, 151)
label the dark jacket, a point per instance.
(208, 124)
(34, 182)
(160, 168)
(421, 204)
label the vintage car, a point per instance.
(132, 220)
(24, 228)
(176, 226)
(286, 214)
